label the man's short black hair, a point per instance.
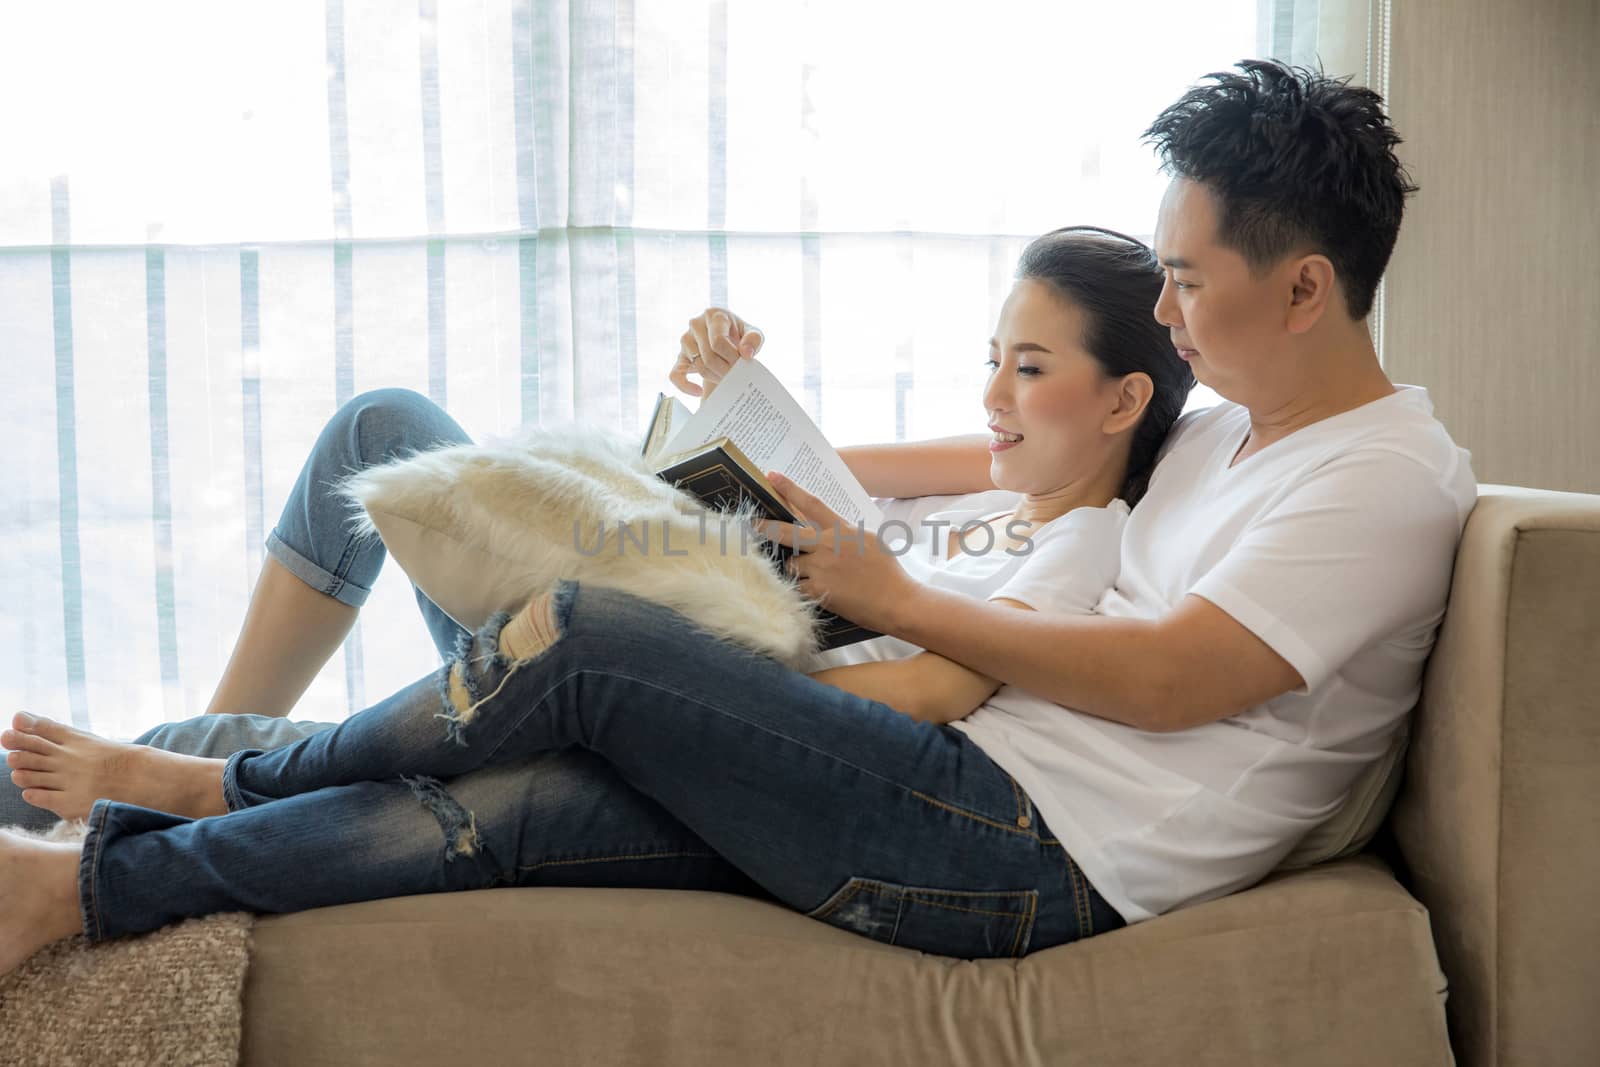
(1297, 161)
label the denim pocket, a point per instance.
(946, 922)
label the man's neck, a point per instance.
(1337, 380)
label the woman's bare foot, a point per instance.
(65, 770)
(38, 897)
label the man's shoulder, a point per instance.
(1399, 425)
(1392, 454)
(1402, 430)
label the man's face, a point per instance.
(1226, 322)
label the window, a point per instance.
(217, 223)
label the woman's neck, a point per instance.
(1036, 509)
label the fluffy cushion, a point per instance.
(481, 528)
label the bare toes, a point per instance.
(21, 742)
(48, 799)
(40, 726)
(33, 779)
(28, 761)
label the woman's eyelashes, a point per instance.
(1030, 372)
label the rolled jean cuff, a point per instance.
(88, 869)
(341, 589)
(232, 796)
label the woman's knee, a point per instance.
(380, 425)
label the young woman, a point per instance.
(621, 746)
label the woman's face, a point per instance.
(1046, 387)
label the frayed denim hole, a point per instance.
(457, 710)
(562, 598)
(460, 826)
(457, 668)
(475, 659)
(451, 717)
(463, 646)
(489, 640)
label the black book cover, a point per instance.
(720, 475)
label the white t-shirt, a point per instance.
(1333, 545)
(1067, 565)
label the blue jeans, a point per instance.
(699, 764)
(638, 751)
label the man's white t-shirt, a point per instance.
(1066, 566)
(1335, 546)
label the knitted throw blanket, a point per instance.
(172, 996)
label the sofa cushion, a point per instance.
(1332, 965)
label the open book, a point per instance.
(750, 424)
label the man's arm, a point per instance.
(1195, 666)
(922, 468)
(925, 686)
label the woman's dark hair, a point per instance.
(1296, 160)
(1116, 281)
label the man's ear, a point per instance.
(1132, 397)
(1311, 294)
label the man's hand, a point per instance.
(711, 345)
(845, 568)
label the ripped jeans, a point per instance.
(636, 751)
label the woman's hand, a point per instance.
(845, 568)
(711, 345)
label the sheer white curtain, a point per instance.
(218, 222)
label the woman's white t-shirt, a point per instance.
(1335, 547)
(1066, 564)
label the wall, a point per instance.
(1493, 295)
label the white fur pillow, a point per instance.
(481, 528)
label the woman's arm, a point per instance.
(717, 339)
(922, 468)
(925, 686)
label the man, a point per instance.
(1282, 578)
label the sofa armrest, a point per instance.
(1498, 821)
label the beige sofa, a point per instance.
(1471, 922)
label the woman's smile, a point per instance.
(1003, 439)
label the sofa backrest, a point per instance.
(1498, 816)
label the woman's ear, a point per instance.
(1132, 396)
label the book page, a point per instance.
(670, 415)
(752, 407)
